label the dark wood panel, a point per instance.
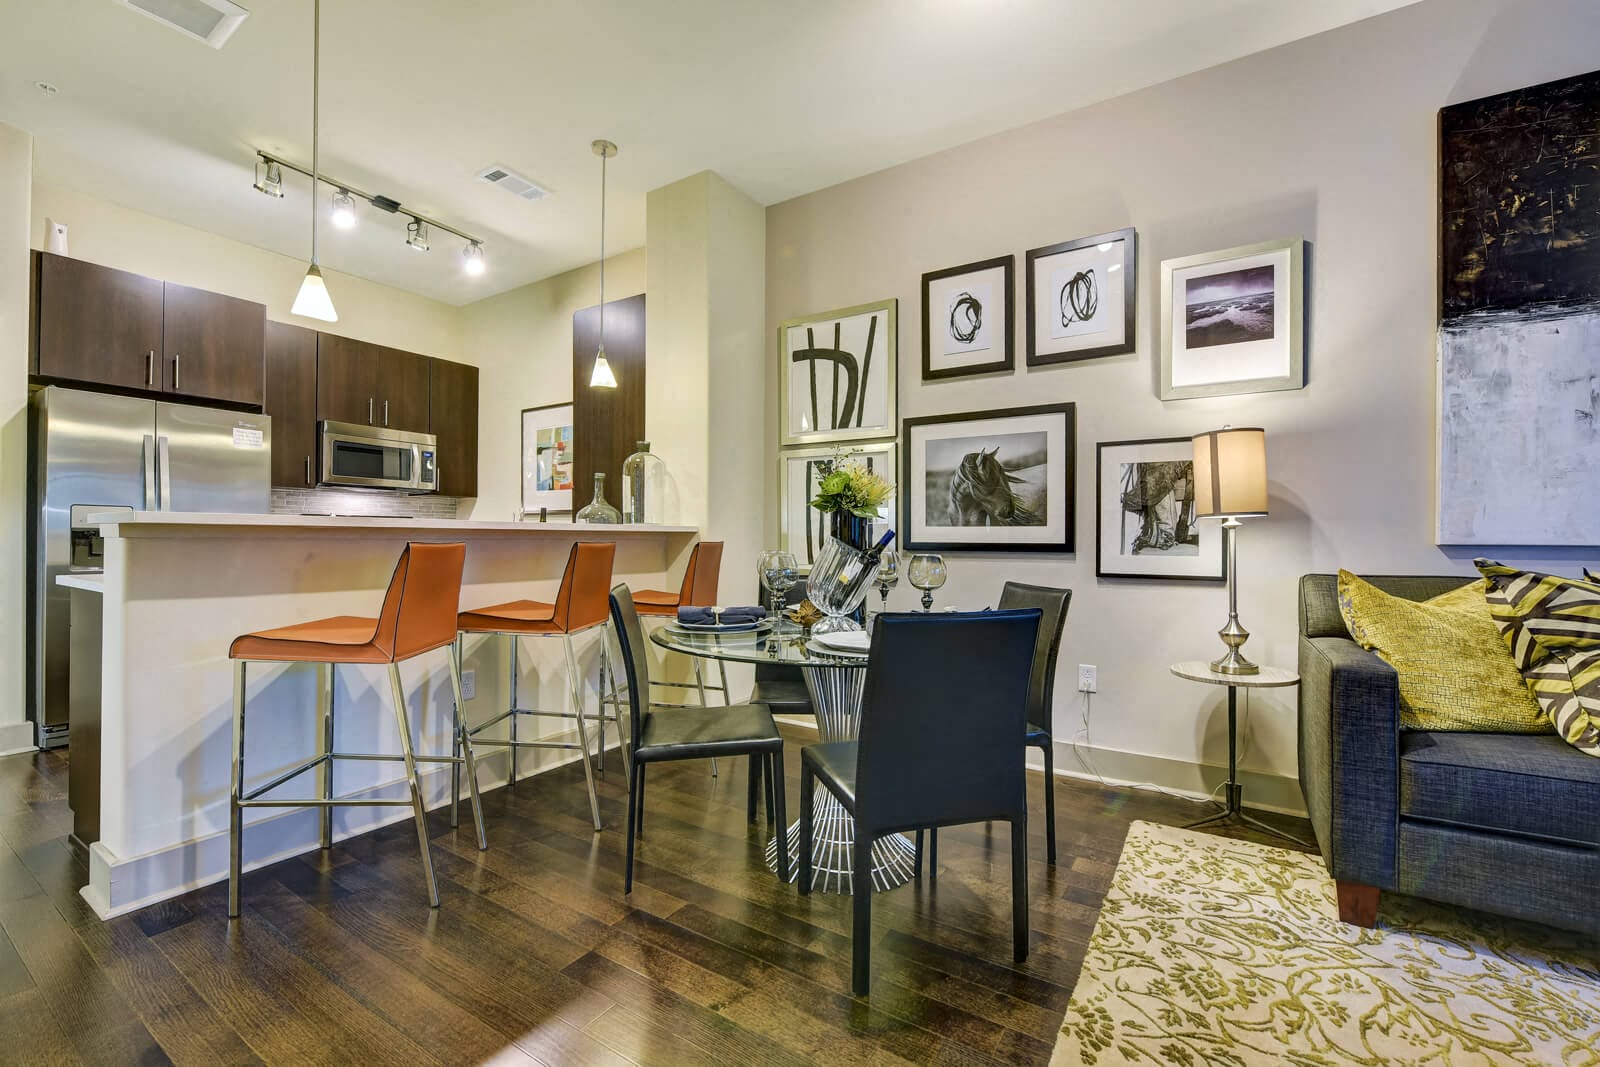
(291, 400)
(98, 325)
(607, 424)
(453, 419)
(213, 346)
(401, 384)
(346, 376)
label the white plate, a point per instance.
(816, 645)
(846, 641)
(719, 628)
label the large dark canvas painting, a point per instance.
(1519, 242)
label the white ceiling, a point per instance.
(780, 97)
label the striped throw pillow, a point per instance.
(1552, 625)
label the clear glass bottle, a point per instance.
(644, 485)
(597, 510)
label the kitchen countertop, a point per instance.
(90, 581)
(125, 524)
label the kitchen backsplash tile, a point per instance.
(355, 502)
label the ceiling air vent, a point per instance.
(211, 21)
(512, 182)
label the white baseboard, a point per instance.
(16, 737)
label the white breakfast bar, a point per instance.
(178, 587)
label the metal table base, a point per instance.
(1233, 806)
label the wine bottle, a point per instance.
(868, 560)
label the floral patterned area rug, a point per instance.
(1210, 952)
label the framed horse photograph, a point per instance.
(990, 481)
(1145, 516)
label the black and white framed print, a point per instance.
(802, 529)
(968, 320)
(1144, 514)
(997, 481)
(1081, 298)
(836, 378)
(1233, 321)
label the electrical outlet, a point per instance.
(1088, 678)
(469, 684)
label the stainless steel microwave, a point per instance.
(375, 457)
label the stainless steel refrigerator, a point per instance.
(94, 452)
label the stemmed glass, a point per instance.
(779, 572)
(888, 577)
(927, 573)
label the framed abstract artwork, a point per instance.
(996, 481)
(836, 378)
(968, 319)
(1081, 298)
(802, 529)
(1144, 514)
(1234, 321)
(547, 458)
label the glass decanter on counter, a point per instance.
(597, 510)
(644, 487)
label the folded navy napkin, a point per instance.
(730, 616)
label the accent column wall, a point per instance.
(16, 185)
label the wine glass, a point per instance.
(927, 572)
(779, 572)
(888, 576)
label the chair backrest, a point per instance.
(700, 576)
(943, 719)
(773, 672)
(635, 661)
(581, 600)
(1052, 604)
(419, 610)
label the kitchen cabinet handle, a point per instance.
(308, 470)
(386, 413)
(150, 369)
(177, 371)
(369, 411)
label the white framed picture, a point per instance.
(1145, 525)
(1082, 295)
(836, 378)
(1233, 321)
(968, 319)
(803, 529)
(547, 458)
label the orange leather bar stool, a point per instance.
(699, 590)
(418, 616)
(582, 603)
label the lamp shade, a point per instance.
(313, 300)
(603, 377)
(1230, 472)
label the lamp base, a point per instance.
(1234, 663)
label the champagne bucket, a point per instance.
(839, 580)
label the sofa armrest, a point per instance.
(1350, 757)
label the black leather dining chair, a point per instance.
(1052, 604)
(943, 714)
(659, 735)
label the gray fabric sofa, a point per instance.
(1506, 823)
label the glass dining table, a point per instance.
(836, 682)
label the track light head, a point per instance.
(269, 178)
(417, 235)
(472, 259)
(343, 215)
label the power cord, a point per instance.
(1082, 739)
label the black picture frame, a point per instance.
(1007, 361)
(1129, 269)
(1065, 543)
(1210, 543)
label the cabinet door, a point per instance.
(347, 375)
(213, 345)
(98, 325)
(291, 356)
(453, 415)
(402, 387)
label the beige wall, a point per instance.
(1333, 139)
(116, 236)
(16, 176)
(522, 342)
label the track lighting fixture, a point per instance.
(269, 178)
(343, 215)
(417, 235)
(472, 258)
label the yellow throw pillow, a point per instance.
(1455, 670)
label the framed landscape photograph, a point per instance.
(803, 529)
(1144, 514)
(547, 458)
(836, 379)
(998, 481)
(968, 319)
(1081, 298)
(1233, 321)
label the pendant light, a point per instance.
(313, 300)
(602, 378)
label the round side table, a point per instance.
(1267, 678)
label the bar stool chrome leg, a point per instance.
(700, 686)
(403, 722)
(236, 792)
(455, 734)
(462, 746)
(512, 780)
(583, 735)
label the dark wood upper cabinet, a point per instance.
(291, 400)
(453, 389)
(96, 324)
(346, 372)
(402, 390)
(213, 346)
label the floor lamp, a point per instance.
(1230, 483)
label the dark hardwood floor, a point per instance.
(536, 957)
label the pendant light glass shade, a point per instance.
(313, 300)
(602, 378)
